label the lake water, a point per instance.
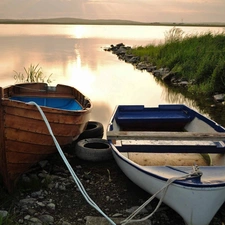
(74, 55)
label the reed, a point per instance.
(199, 58)
(33, 74)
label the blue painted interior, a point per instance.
(128, 114)
(213, 176)
(57, 103)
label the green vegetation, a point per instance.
(7, 220)
(199, 58)
(33, 74)
(6, 217)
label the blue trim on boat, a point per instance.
(213, 147)
(132, 115)
(213, 176)
(51, 102)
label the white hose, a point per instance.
(76, 179)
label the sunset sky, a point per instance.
(136, 10)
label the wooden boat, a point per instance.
(153, 145)
(24, 137)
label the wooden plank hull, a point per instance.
(25, 139)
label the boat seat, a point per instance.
(165, 146)
(167, 116)
(161, 120)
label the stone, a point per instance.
(3, 213)
(47, 219)
(91, 220)
(219, 97)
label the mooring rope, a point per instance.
(195, 172)
(129, 219)
(76, 179)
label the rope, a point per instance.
(195, 172)
(129, 219)
(76, 179)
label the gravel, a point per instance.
(47, 194)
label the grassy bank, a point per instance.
(199, 58)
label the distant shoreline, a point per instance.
(76, 21)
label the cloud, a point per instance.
(140, 10)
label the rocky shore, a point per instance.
(163, 74)
(48, 195)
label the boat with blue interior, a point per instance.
(174, 153)
(24, 137)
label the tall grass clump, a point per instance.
(198, 57)
(33, 74)
(7, 220)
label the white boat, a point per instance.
(172, 143)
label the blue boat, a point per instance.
(175, 149)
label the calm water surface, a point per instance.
(75, 55)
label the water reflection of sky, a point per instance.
(75, 56)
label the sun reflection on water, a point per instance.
(78, 31)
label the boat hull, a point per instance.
(25, 139)
(197, 206)
(153, 145)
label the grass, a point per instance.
(32, 74)
(199, 58)
(7, 220)
(6, 203)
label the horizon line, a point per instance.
(73, 20)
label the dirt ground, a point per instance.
(107, 186)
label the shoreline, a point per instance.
(75, 21)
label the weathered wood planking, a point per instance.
(24, 137)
